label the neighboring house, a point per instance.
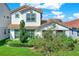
(74, 28)
(4, 21)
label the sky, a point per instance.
(63, 11)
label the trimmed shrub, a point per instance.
(16, 43)
(23, 33)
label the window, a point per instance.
(8, 30)
(30, 33)
(4, 16)
(77, 33)
(7, 17)
(31, 17)
(17, 33)
(4, 31)
(16, 15)
(72, 31)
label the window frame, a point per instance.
(17, 15)
(30, 17)
(30, 33)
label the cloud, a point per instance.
(70, 18)
(59, 16)
(76, 15)
(54, 6)
(57, 12)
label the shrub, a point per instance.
(67, 42)
(16, 43)
(51, 43)
(30, 42)
(33, 42)
(2, 42)
(23, 33)
(75, 41)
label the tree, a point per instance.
(23, 34)
(53, 43)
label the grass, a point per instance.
(26, 51)
(17, 51)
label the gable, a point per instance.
(26, 7)
(53, 26)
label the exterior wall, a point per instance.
(2, 35)
(57, 27)
(4, 21)
(74, 34)
(4, 12)
(67, 33)
(12, 34)
(38, 33)
(23, 17)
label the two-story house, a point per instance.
(31, 16)
(4, 21)
(33, 22)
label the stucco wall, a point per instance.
(57, 27)
(23, 17)
(12, 34)
(74, 34)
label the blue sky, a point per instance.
(64, 11)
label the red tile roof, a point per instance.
(57, 21)
(73, 23)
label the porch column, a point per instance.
(12, 34)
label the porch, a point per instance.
(15, 33)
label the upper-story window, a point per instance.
(30, 17)
(16, 15)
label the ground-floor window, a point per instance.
(59, 32)
(4, 31)
(17, 33)
(30, 33)
(77, 33)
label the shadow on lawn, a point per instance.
(2, 42)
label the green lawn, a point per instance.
(23, 51)
(17, 51)
(26, 51)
